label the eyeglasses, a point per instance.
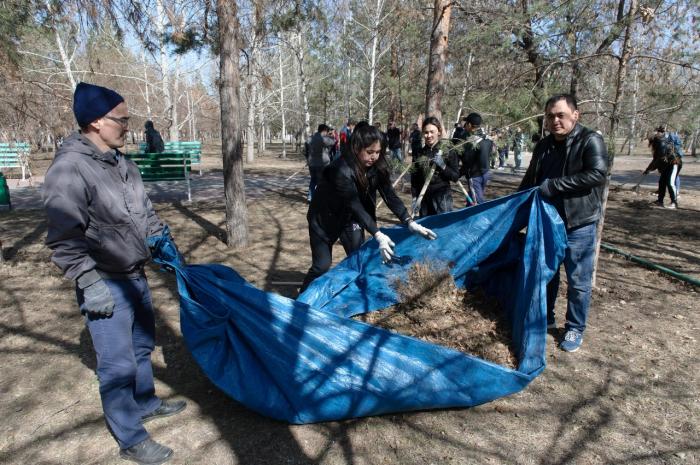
(123, 122)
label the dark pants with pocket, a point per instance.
(351, 237)
(437, 202)
(123, 344)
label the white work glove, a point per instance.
(385, 246)
(415, 228)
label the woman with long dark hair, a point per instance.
(435, 153)
(344, 204)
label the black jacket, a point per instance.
(441, 179)
(475, 156)
(337, 201)
(154, 142)
(583, 178)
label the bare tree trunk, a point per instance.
(393, 91)
(64, 58)
(147, 94)
(164, 67)
(234, 189)
(619, 90)
(300, 52)
(633, 119)
(175, 128)
(438, 58)
(250, 127)
(284, 121)
(373, 60)
(464, 89)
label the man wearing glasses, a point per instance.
(570, 166)
(99, 222)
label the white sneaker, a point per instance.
(671, 206)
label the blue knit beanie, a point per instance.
(92, 102)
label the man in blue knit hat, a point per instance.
(99, 223)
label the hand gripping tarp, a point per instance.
(306, 361)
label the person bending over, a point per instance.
(344, 205)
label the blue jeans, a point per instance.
(396, 154)
(518, 158)
(479, 184)
(123, 344)
(578, 263)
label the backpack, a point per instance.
(676, 142)
(663, 150)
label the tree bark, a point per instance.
(284, 121)
(165, 68)
(464, 89)
(393, 91)
(619, 90)
(229, 79)
(438, 58)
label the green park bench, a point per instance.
(166, 166)
(15, 155)
(193, 148)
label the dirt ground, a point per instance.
(630, 395)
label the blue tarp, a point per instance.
(306, 361)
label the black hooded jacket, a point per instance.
(582, 180)
(338, 201)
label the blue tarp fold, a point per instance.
(306, 361)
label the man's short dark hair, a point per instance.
(474, 119)
(661, 129)
(322, 127)
(570, 100)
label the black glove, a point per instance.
(546, 188)
(97, 298)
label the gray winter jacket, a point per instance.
(99, 215)
(319, 150)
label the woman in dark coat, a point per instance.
(438, 154)
(344, 204)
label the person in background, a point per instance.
(154, 142)
(344, 136)
(435, 155)
(570, 167)
(393, 135)
(518, 147)
(476, 157)
(416, 139)
(319, 156)
(99, 222)
(346, 200)
(669, 164)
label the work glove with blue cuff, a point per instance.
(97, 297)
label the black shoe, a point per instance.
(165, 410)
(147, 452)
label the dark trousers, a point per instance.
(435, 203)
(669, 180)
(351, 237)
(502, 156)
(315, 173)
(123, 344)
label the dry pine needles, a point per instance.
(432, 308)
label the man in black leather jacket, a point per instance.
(570, 167)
